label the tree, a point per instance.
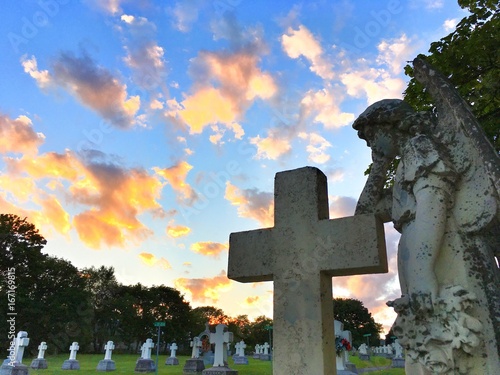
(470, 57)
(49, 297)
(102, 287)
(259, 331)
(357, 319)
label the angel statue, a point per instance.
(445, 203)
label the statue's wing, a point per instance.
(477, 202)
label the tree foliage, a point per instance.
(357, 319)
(470, 57)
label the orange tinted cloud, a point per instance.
(249, 301)
(203, 290)
(153, 261)
(91, 84)
(273, 146)
(18, 135)
(55, 214)
(302, 42)
(176, 231)
(317, 147)
(252, 204)
(226, 85)
(176, 177)
(209, 248)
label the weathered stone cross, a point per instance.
(300, 254)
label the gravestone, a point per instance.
(172, 360)
(301, 254)
(264, 352)
(72, 363)
(13, 365)
(398, 361)
(40, 363)
(363, 352)
(145, 363)
(194, 365)
(256, 353)
(344, 367)
(240, 358)
(220, 338)
(107, 364)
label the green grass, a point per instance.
(125, 364)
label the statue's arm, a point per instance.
(374, 198)
(431, 195)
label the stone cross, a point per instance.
(41, 349)
(109, 347)
(398, 349)
(300, 254)
(240, 348)
(73, 349)
(146, 349)
(219, 338)
(265, 348)
(22, 341)
(343, 359)
(173, 350)
(195, 344)
(257, 349)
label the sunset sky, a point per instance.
(140, 134)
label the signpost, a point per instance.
(270, 328)
(367, 339)
(159, 325)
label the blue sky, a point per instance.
(140, 134)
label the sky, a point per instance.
(140, 134)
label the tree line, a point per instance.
(58, 303)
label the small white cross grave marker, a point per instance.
(73, 349)
(146, 349)
(301, 254)
(196, 345)
(265, 348)
(219, 338)
(41, 350)
(109, 349)
(22, 341)
(173, 350)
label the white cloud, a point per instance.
(450, 24)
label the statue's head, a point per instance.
(387, 113)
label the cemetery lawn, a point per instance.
(125, 364)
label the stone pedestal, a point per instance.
(145, 365)
(364, 357)
(351, 367)
(71, 364)
(256, 356)
(240, 360)
(265, 357)
(346, 372)
(398, 363)
(172, 361)
(39, 364)
(193, 366)
(219, 371)
(106, 365)
(16, 369)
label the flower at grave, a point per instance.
(342, 344)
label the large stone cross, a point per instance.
(219, 338)
(146, 349)
(300, 254)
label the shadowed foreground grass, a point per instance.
(125, 364)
